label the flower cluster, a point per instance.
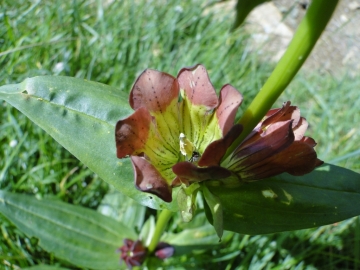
(180, 131)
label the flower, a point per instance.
(180, 132)
(133, 253)
(276, 145)
(164, 250)
(175, 119)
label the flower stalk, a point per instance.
(161, 224)
(305, 38)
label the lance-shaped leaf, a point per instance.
(45, 267)
(78, 235)
(328, 194)
(81, 116)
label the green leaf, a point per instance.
(328, 194)
(81, 115)
(216, 210)
(45, 267)
(78, 235)
(147, 231)
(186, 199)
(120, 207)
(193, 240)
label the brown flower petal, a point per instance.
(148, 179)
(260, 146)
(154, 90)
(217, 149)
(133, 253)
(198, 88)
(229, 101)
(189, 172)
(285, 113)
(298, 159)
(309, 141)
(164, 250)
(131, 133)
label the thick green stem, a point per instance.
(308, 32)
(161, 223)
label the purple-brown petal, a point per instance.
(164, 250)
(260, 146)
(249, 160)
(229, 101)
(309, 141)
(217, 149)
(285, 113)
(298, 159)
(191, 173)
(131, 133)
(154, 90)
(133, 253)
(148, 179)
(198, 88)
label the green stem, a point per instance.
(161, 223)
(308, 32)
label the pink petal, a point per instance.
(148, 179)
(230, 100)
(154, 90)
(198, 88)
(217, 149)
(190, 172)
(287, 112)
(164, 250)
(300, 129)
(131, 133)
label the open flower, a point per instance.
(133, 253)
(175, 119)
(180, 131)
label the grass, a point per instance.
(112, 42)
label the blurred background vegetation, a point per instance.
(113, 42)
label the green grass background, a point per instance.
(113, 42)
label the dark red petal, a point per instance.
(192, 173)
(164, 250)
(128, 243)
(229, 101)
(217, 149)
(309, 141)
(178, 182)
(287, 112)
(148, 179)
(298, 159)
(198, 88)
(154, 90)
(278, 137)
(131, 133)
